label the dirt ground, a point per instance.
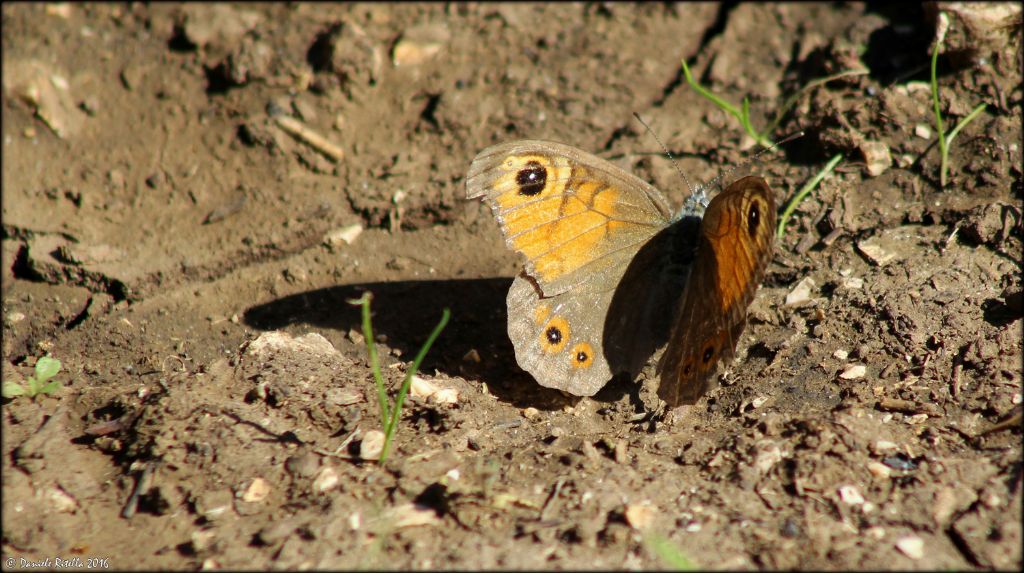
(160, 215)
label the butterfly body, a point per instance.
(611, 273)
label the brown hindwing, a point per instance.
(736, 240)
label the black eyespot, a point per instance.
(709, 353)
(553, 334)
(581, 357)
(753, 218)
(532, 179)
(686, 370)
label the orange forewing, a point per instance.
(559, 232)
(574, 217)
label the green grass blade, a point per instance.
(943, 149)
(390, 428)
(726, 106)
(371, 350)
(749, 127)
(788, 212)
(948, 142)
(963, 122)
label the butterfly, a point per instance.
(612, 274)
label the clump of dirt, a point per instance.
(194, 193)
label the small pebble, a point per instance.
(444, 396)
(422, 388)
(801, 293)
(767, 457)
(883, 446)
(530, 413)
(412, 515)
(853, 282)
(923, 131)
(640, 515)
(372, 445)
(874, 252)
(60, 9)
(841, 354)
(851, 495)
(343, 235)
(918, 87)
(258, 490)
(343, 396)
(202, 539)
(912, 546)
(876, 157)
(419, 44)
(326, 481)
(853, 372)
(61, 501)
(917, 419)
(879, 470)
(412, 53)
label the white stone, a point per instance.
(853, 372)
(327, 480)
(850, 495)
(911, 545)
(258, 490)
(801, 293)
(640, 515)
(372, 445)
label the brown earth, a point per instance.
(158, 218)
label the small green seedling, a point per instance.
(743, 114)
(389, 413)
(946, 140)
(804, 191)
(669, 553)
(38, 383)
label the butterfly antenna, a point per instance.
(715, 182)
(693, 191)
